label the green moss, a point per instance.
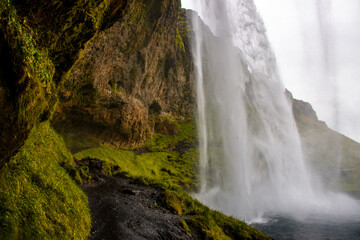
(185, 226)
(179, 41)
(63, 27)
(163, 168)
(171, 163)
(161, 142)
(79, 142)
(22, 37)
(212, 224)
(32, 89)
(182, 31)
(39, 200)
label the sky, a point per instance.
(317, 47)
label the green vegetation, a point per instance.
(64, 27)
(164, 168)
(182, 31)
(21, 37)
(29, 81)
(157, 165)
(42, 40)
(161, 142)
(179, 41)
(184, 225)
(38, 199)
(170, 161)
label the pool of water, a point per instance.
(279, 227)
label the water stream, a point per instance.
(251, 160)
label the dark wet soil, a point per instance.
(123, 208)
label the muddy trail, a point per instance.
(124, 208)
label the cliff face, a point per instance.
(39, 41)
(26, 89)
(336, 158)
(138, 69)
(135, 69)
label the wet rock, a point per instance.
(122, 208)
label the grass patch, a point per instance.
(170, 162)
(38, 199)
(167, 169)
(162, 142)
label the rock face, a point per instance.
(8, 79)
(26, 91)
(129, 75)
(300, 107)
(39, 41)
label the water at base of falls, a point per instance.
(279, 227)
(251, 159)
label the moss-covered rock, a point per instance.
(127, 74)
(39, 41)
(39, 200)
(26, 82)
(63, 27)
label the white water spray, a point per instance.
(251, 160)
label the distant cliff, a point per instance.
(334, 156)
(300, 107)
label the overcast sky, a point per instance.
(317, 46)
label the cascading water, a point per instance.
(251, 160)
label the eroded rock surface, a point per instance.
(139, 68)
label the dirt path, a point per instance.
(122, 208)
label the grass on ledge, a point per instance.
(170, 161)
(156, 165)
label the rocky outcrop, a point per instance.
(300, 107)
(129, 75)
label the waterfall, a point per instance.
(251, 161)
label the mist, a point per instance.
(317, 46)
